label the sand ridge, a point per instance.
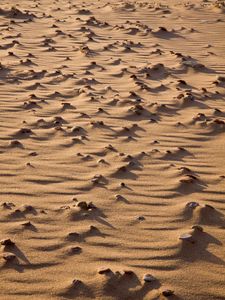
(112, 126)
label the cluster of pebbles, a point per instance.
(109, 120)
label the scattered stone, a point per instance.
(105, 271)
(197, 227)
(93, 228)
(185, 237)
(149, 278)
(192, 204)
(7, 242)
(75, 250)
(76, 283)
(83, 205)
(168, 293)
(141, 218)
(9, 257)
(128, 272)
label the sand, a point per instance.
(112, 147)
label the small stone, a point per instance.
(131, 164)
(149, 278)
(128, 272)
(27, 224)
(168, 293)
(104, 271)
(118, 274)
(16, 143)
(97, 178)
(192, 204)
(101, 161)
(91, 206)
(119, 197)
(197, 227)
(181, 149)
(76, 282)
(73, 235)
(185, 237)
(141, 218)
(9, 256)
(75, 250)
(82, 205)
(7, 242)
(17, 212)
(110, 147)
(33, 154)
(122, 169)
(7, 205)
(28, 208)
(93, 228)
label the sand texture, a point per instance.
(112, 150)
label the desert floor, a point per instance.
(112, 148)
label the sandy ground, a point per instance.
(112, 147)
